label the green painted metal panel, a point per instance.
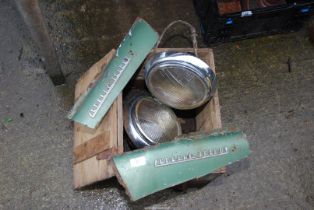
(143, 172)
(92, 107)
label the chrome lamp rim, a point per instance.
(135, 132)
(186, 61)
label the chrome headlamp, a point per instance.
(179, 80)
(148, 122)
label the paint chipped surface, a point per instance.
(118, 72)
(175, 162)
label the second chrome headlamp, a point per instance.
(147, 121)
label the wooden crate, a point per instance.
(93, 148)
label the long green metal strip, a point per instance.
(91, 108)
(143, 172)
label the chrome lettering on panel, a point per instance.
(108, 87)
(191, 156)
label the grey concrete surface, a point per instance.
(258, 94)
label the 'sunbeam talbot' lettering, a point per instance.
(108, 87)
(189, 157)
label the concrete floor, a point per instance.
(258, 95)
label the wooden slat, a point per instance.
(94, 169)
(209, 117)
(120, 124)
(92, 147)
(108, 154)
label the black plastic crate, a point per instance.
(219, 28)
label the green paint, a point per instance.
(146, 171)
(92, 107)
(7, 120)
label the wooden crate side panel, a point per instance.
(89, 148)
(83, 133)
(209, 118)
(120, 123)
(91, 170)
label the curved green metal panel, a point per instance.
(92, 107)
(149, 170)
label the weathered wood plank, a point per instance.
(109, 134)
(92, 147)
